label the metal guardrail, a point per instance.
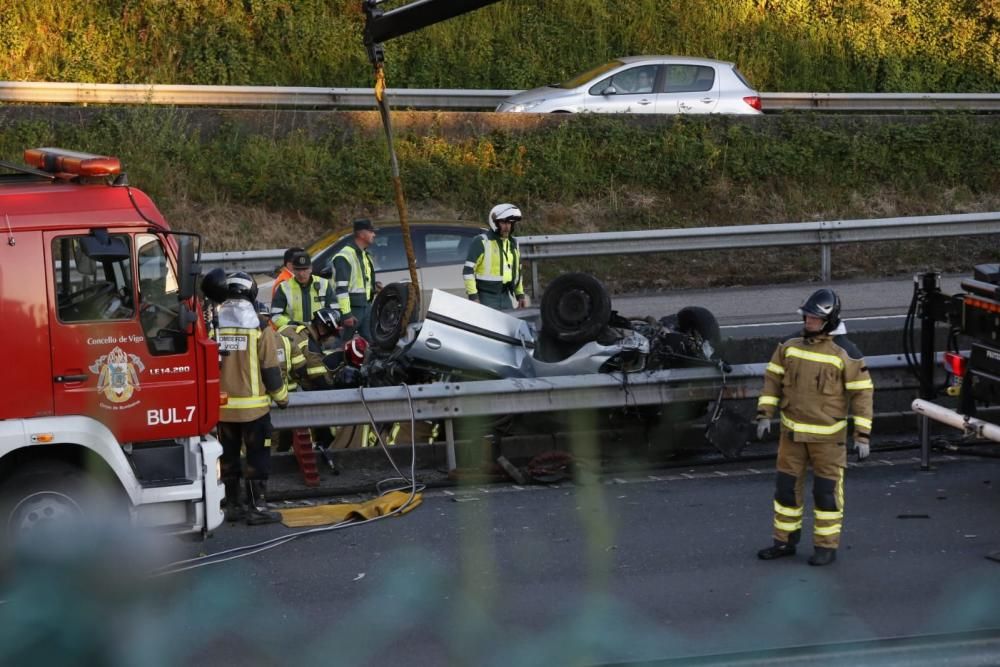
(245, 96)
(825, 234)
(483, 398)
(427, 98)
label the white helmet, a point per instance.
(504, 212)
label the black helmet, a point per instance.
(241, 286)
(213, 286)
(328, 317)
(824, 304)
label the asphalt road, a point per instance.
(770, 310)
(646, 567)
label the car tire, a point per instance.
(695, 319)
(387, 324)
(575, 308)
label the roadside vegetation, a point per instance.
(283, 178)
(781, 45)
(287, 178)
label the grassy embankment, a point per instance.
(271, 188)
(246, 189)
(815, 45)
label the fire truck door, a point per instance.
(115, 354)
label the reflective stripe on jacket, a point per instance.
(816, 382)
(315, 375)
(494, 264)
(354, 275)
(294, 341)
(249, 373)
(290, 306)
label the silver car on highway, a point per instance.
(645, 84)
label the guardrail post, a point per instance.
(825, 253)
(535, 288)
(449, 436)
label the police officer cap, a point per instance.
(301, 260)
(290, 254)
(362, 224)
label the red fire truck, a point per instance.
(110, 380)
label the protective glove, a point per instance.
(474, 297)
(862, 447)
(349, 322)
(763, 427)
(521, 301)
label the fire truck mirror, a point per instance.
(186, 272)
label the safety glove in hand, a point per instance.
(350, 321)
(862, 447)
(763, 427)
(473, 297)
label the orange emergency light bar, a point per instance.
(988, 306)
(72, 163)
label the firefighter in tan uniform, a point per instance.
(251, 377)
(291, 341)
(314, 374)
(816, 380)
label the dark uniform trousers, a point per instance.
(253, 435)
(828, 461)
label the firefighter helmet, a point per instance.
(354, 351)
(328, 317)
(824, 304)
(214, 287)
(504, 213)
(241, 285)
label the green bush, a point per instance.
(786, 45)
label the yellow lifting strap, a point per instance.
(324, 515)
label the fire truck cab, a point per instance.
(110, 380)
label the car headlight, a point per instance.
(522, 107)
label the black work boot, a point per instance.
(257, 512)
(823, 556)
(777, 550)
(235, 508)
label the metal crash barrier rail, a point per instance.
(826, 234)
(57, 92)
(483, 398)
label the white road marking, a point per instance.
(799, 322)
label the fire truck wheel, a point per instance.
(387, 324)
(43, 496)
(575, 308)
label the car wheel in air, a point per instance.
(575, 308)
(695, 319)
(387, 324)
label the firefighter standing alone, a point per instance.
(250, 376)
(815, 378)
(492, 271)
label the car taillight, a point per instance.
(754, 101)
(954, 363)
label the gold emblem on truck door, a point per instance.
(118, 374)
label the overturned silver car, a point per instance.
(579, 334)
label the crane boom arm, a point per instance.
(382, 26)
